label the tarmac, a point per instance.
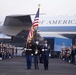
(17, 66)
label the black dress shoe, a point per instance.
(46, 68)
(27, 68)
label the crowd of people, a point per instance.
(6, 51)
(69, 54)
(39, 52)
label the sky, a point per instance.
(50, 7)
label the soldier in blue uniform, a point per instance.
(40, 54)
(36, 55)
(28, 53)
(45, 53)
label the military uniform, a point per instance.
(73, 53)
(28, 52)
(40, 54)
(2, 50)
(36, 55)
(45, 53)
(0, 53)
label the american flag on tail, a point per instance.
(35, 25)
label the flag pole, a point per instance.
(38, 5)
(34, 26)
(36, 30)
(38, 8)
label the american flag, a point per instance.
(35, 25)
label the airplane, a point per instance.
(16, 25)
(19, 25)
(61, 25)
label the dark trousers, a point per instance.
(45, 61)
(36, 61)
(40, 59)
(28, 61)
(7, 55)
(3, 56)
(73, 60)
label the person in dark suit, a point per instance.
(45, 53)
(28, 52)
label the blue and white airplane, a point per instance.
(61, 25)
(19, 25)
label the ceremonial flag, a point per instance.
(35, 24)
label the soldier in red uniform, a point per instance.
(28, 52)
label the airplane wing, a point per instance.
(13, 25)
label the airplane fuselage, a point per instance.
(12, 25)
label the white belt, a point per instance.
(29, 49)
(44, 49)
(25, 49)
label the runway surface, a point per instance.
(17, 66)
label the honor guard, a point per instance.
(45, 54)
(7, 52)
(0, 53)
(36, 54)
(4, 46)
(2, 50)
(73, 53)
(28, 52)
(40, 54)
